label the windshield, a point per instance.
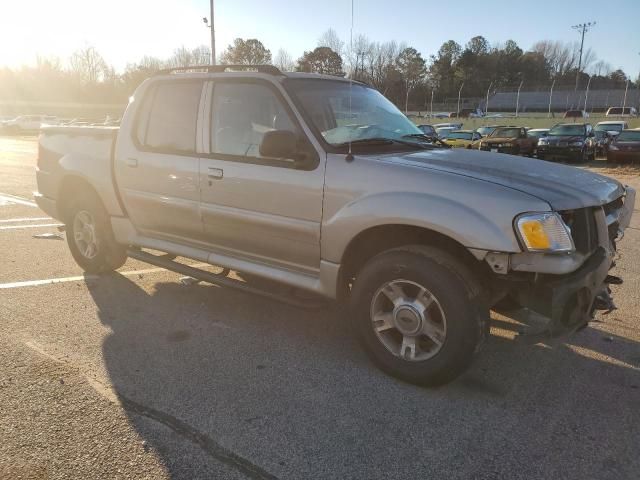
(460, 136)
(600, 134)
(506, 132)
(345, 113)
(629, 136)
(567, 130)
(444, 132)
(609, 127)
(537, 133)
(485, 130)
(428, 129)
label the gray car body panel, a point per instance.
(563, 187)
(401, 190)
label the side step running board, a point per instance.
(222, 280)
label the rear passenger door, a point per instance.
(157, 173)
(255, 207)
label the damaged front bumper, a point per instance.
(569, 301)
(568, 289)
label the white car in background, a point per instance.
(621, 112)
(28, 123)
(613, 128)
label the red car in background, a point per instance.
(625, 147)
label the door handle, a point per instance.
(132, 162)
(216, 173)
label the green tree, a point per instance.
(478, 45)
(413, 69)
(246, 52)
(321, 60)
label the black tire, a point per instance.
(108, 255)
(539, 157)
(459, 298)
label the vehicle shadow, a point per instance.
(222, 384)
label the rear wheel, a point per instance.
(419, 314)
(90, 237)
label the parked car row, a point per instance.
(574, 142)
(29, 124)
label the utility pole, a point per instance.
(582, 28)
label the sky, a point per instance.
(125, 30)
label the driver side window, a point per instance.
(242, 114)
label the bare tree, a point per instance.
(601, 68)
(88, 65)
(284, 61)
(201, 55)
(331, 39)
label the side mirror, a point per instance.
(279, 144)
(591, 134)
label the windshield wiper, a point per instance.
(381, 141)
(431, 139)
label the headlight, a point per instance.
(613, 147)
(579, 143)
(508, 144)
(544, 232)
(543, 141)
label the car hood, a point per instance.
(498, 139)
(627, 145)
(555, 139)
(563, 187)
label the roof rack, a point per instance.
(268, 69)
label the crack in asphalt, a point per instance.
(206, 443)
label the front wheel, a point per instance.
(90, 237)
(419, 314)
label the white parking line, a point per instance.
(9, 199)
(14, 227)
(31, 219)
(78, 278)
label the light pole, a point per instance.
(431, 105)
(551, 96)
(213, 33)
(586, 94)
(518, 98)
(624, 102)
(486, 104)
(459, 93)
(583, 28)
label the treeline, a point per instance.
(399, 71)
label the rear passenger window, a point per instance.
(171, 112)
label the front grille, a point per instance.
(612, 211)
(584, 231)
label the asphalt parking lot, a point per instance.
(135, 375)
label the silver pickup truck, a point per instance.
(325, 186)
